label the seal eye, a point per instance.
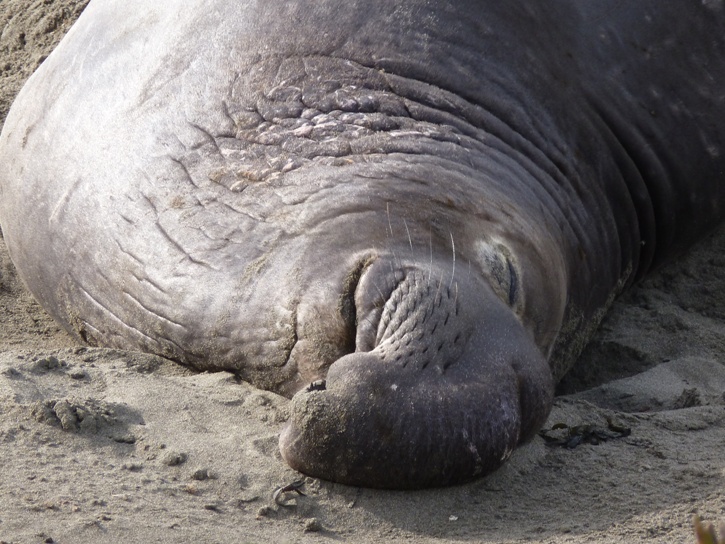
(513, 283)
(500, 268)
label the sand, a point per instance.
(109, 446)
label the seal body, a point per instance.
(422, 209)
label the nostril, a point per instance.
(348, 308)
(368, 300)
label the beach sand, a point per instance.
(101, 445)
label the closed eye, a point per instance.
(513, 283)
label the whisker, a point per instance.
(390, 225)
(453, 272)
(397, 261)
(410, 240)
(382, 296)
(455, 300)
(390, 247)
(430, 243)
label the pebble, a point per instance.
(312, 525)
(173, 459)
(201, 475)
(263, 511)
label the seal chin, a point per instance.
(450, 385)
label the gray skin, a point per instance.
(423, 207)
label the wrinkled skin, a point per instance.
(421, 209)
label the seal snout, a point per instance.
(446, 387)
(421, 325)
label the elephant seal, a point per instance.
(407, 216)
